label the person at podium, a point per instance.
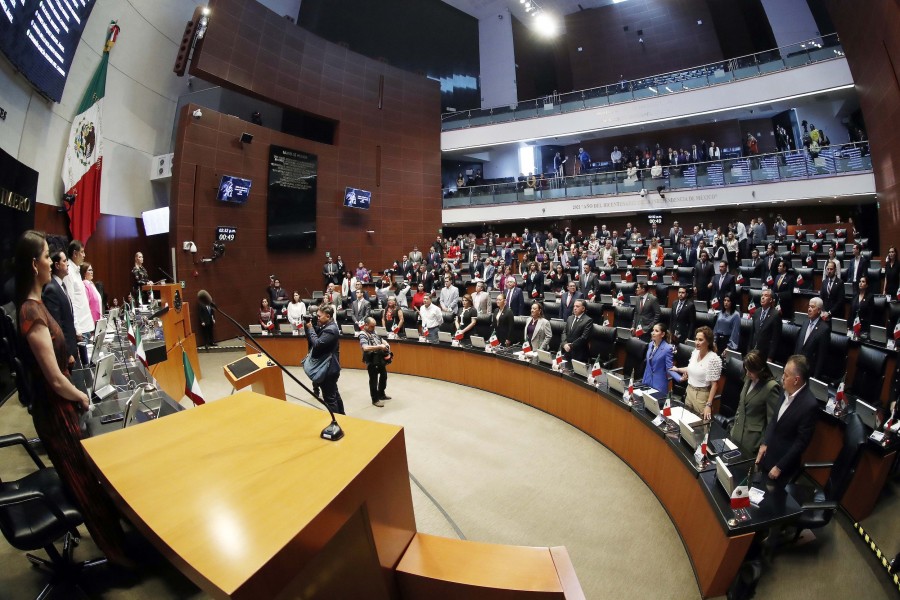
(323, 341)
(139, 277)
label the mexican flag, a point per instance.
(84, 150)
(191, 387)
(129, 327)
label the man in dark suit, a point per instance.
(723, 284)
(766, 326)
(433, 258)
(784, 291)
(655, 232)
(647, 311)
(574, 342)
(681, 321)
(676, 235)
(331, 273)
(770, 263)
(514, 298)
(56, 299)
(567, 300)
(857, 266)
(476, 268)
(757, 264)
(789, 433)
(703, 274)
(812, 340)
(405, 266)
(425, 277)
(832, 293)
(588, 282)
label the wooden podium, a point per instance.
(176, 328)
(263, 377)
(268, 509)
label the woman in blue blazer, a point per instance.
(659, 360)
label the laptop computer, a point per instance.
(616, 381)
(701, 305)
(819, 389)
(98, 340)
(667, 279)
(255, 329)
(113, 314)
(776, 370)
(615, 278)
(286, 328)
(848, 289)
(318, 294)
(411, 333)
(801, 319)
(652, 404)
(867, 413)
(550, 297)
(103, 387)
(544, 356)
(668, 263)
(443, 336)
(348, 329)
(756, 283)
(839, 325)
(797, 263)
(878, 334)
(580, 368)
(746, 262)
(622, 333)
(692, 429)
(643, 278)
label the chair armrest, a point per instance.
(23, 496)
(824, 505)
(13, 439)
(817, 465)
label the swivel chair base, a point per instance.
(65, 572)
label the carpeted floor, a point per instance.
(490, 469)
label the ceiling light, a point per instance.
(547, 25)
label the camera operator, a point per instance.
(375, 355)
(323, 340)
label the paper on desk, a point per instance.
(756, 496)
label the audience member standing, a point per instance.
(56, 299)
(374, 354)
(95, 302)
(323, 341)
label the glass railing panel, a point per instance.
(604, 100)
(824, 54)
(745, 72)
(768, 168)
(771, 67)
(481, 119)
(572, 105)
(797, 164)
(796, 59)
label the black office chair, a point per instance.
(594, 310)
(35, 513)
(605, 287)
(873, 276)
(807, 274)
(482, 326)
(835, 362)
(869, 378)
(785, 349)
(686, 275)
(551, 310)
(557, 328)
(635, 351)
(627, 289)
(662, 293)
(820, 504)
(624, 316)
(746, 334)
(879, 311)
(518, 333)
(682, 358)
(733, 372)
(603, 344)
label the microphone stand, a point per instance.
(331, 433)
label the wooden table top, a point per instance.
(223, 488)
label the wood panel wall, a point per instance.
(870, 36)
(112, 247)
(379, 111)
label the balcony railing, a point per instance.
(761, 168)
(761, 63)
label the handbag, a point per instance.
(316, 368)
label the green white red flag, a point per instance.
(191, 386)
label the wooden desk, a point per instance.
(246, 499)
(715, 555)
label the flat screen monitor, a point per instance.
(233, 189)
(156, 221)
(40, 37)
(354, 198)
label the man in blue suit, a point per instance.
(56, 298)
(659, 360)
(514, 298)
(567, 300)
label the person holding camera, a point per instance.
(323, 340)
(376, 353)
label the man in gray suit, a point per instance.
(359, 309)
(647, 312)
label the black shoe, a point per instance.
(383, 397)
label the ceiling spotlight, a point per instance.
(548, 26)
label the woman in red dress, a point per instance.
(56, 402)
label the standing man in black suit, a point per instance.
(676, 235)
(757, 264)
(331, 273)
(514, 298)
(832, 293)
(789, 433)
(703, 274)
(567, 301)
(784, 290)
(812, 340)
(681, 321)
(723, 284)
(857, 266)
(575, 337)
(766, 326)
(56, 299)
(770, 264)
(647, 312)
(588, 282)
(476, 268)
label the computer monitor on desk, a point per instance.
(99, 339)
(103, 388)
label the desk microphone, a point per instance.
(161, 270)
(331, 433)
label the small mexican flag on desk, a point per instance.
(191, 387)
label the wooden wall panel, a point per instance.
(870, 36)
(258, 52)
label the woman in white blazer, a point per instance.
(537, 329)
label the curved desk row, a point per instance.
(693, 503)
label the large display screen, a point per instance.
(39, 37)
(291, 211)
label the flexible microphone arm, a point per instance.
(333, 432)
